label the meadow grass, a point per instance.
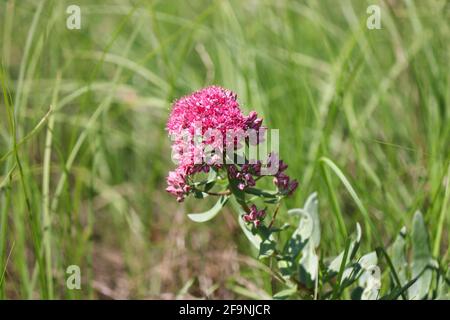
(363, 114)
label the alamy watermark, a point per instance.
(374, 19)
(73, 21)
(215, 147)
(73, 281)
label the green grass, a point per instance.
(364, 119)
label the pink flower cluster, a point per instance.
(283, 182)
(215, 108)
(245, 176)
(255, 216)
(248, 174)
(211, 108)
(176, 181)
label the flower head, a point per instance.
(246, 175)
(211, 119)
(212, 108)
(285, 184)
(208, 114)
(255, 216)
(176, 181)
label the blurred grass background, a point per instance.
(83, 183)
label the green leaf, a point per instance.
(212, 178)
(421, 259)
(357, 293)
(350, 275)
(337, 290)
(300, 236)
(304, 240)
(443, 289)
(286, 267)
(200, 195)
(371, 282)
(398, 254)
(309, 265)
(336, 263)
(369, 226)
(368, 260)
(271, 200)
(212, 175)
(397, 292)
(261, 193)
(267, 248)
(311, 209)
(286, 293)
(268, 245)
(211, 213)
(370, 279)
(395, 278)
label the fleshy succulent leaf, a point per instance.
(211, 213)
(421, 259)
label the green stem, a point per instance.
(274, 215)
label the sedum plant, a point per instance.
(209, 133)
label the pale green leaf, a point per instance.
(421, 259)
(370, 281)
(285, 294)
(309, 265)
(211, 213)
(398, 254)
(368, 260)
(336, 263)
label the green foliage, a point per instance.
(415, 279)
(306, 274)
(211, 213)
(363, 118)
(422, 262)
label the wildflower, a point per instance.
(177, 186)
(254, 168)
(246, 175)
(252, 122)
(212, 107)
(292, 187)
(285, 184)
(213, 115)
(255, 216)
(274, 159)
